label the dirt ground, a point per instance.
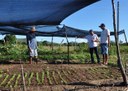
(62, 77)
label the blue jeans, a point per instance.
(104, 48)
(97, 55)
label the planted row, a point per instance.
(39, 78)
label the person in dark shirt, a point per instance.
(32, 45)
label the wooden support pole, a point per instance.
(125, 38)
(67, 46)
(52, 43)
(118, 19)
(61, 43)
(23, 79)
(120, 65)
(75, 44)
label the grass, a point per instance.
(80, 53)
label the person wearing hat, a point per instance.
(32, 45)
(93, 40)
(104, 42)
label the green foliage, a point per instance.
(17, 79)
(63, 81)
(48, 77)
(53, 74)
(37, 78)
(13, 52)
(11, 79)
(42, 77)
(77, 52)
(25, 75)
(30, 78)
(10, 39)
(5, 79)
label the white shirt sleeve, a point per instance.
(108, 32)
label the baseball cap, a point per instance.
(90, 30)
(102, 25)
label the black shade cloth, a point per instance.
(38, 12)
(45, 30)
(17, 16)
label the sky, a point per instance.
(91, 17)
(100, 12)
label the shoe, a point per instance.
(37, 60)
(106, 63)
(93, 63)
(99, 63)
(30, 62)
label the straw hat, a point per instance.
(33, 29)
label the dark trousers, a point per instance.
(97, 55)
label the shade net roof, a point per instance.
(47, 30)
(18, 16)
(38, 12)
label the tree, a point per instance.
(10, 39)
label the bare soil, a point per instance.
(62, 77)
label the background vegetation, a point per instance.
(17, 50)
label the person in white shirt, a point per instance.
(93, 43)
(104, 42)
